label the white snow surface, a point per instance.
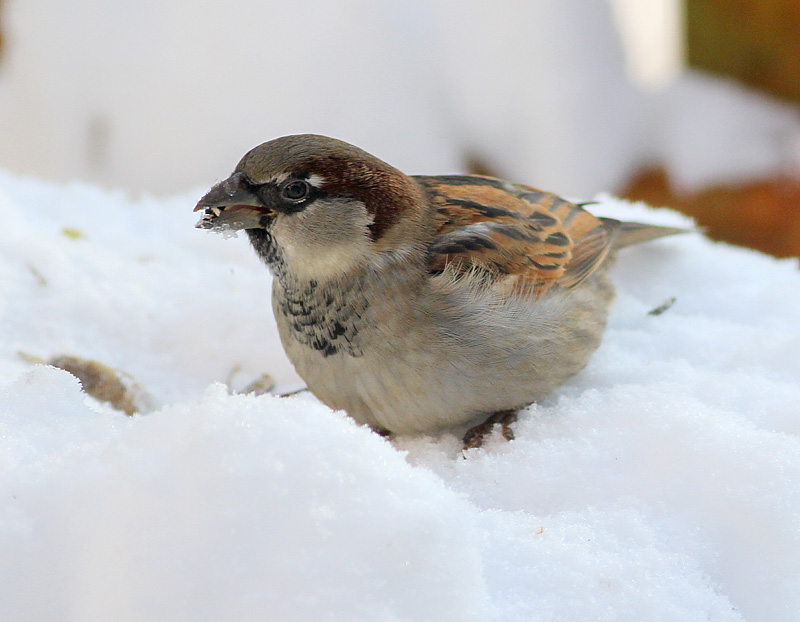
(662, 483)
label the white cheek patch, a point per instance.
(326, 240)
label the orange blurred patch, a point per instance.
(764, 215)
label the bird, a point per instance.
(422, 303)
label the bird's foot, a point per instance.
(382, 432)
(474, 436)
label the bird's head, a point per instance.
(322, 206)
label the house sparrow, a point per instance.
(417, 303)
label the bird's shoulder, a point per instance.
(518, 237)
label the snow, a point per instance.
(84, 97)
(659, 484)
(714, 131)
(209, 511)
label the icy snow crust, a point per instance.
(661, 484)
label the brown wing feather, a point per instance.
(520, 237)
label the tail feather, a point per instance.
(629, 233)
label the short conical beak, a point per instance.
(233, 205)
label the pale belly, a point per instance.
(408, 371)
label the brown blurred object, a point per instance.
(102, 382)
(476, 164)
(764, 215)
(754, 41)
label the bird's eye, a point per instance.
(295, 190)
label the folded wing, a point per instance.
(517, 236)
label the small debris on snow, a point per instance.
(664, 306)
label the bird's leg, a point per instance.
(474, 436)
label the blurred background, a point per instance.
(691, 104)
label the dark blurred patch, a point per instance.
(755, 41)
(764, 215)
(477, 165)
